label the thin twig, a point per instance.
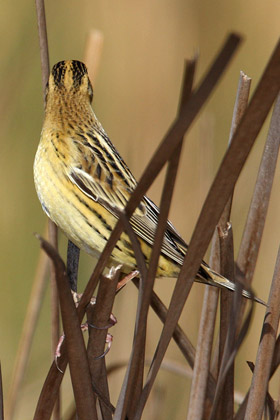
(52, 228)
(40, 277)
(261, 375)
(29, 325)
(43, 40)
(1, 396)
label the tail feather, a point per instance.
(208, 276)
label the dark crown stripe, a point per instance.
(78, 71)
(58, 72)
(77, 68)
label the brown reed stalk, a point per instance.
(99, 322)
(52, 228)
(261, 376)
(209, 309)
(1, 396)
(29, 325)
(78, 361)
(215, 202)
(92, 53)
(131, 393)
(227, 329)
(255, 221)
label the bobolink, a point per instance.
(82, 182)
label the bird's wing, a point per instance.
(102, 176)
(105, 178)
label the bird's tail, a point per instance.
(218, 280)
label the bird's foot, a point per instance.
(84, 327)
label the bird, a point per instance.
(83, 183)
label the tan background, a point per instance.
(136, 97)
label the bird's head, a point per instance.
(69, 79)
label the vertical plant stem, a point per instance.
(78, 361)
(227, 257)
(203, 354)
(134, 378)
(208, 316)
(251, 239)
(55, 328)
(43, 41)
(52, 228)
(99, 322)
(92, 53)
(261, 374)
(29, 325)
(1, 396)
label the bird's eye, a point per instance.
(90, 91)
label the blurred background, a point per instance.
(137, 90)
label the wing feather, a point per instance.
(105, 178)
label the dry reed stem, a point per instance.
(92, 53)
(1, 396)
(260, 199)
(99, 318)
(253, 230)
(78, 362)
(203, 383)
(180, 337)
(55, 319)
(250, 244)
(203, 355)
(258, 390)
(216, 200)
(227, 261)
(134, 382)
(226, 399)
(28, 329)
(52, 228)
(209, 309)
(43, 41)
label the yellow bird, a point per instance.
(82, 182)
